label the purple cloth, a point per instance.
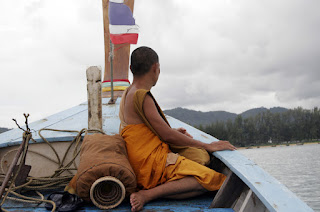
(120, 14)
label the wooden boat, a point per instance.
(247, 187)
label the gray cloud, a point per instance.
(214, 55)
(246, 51)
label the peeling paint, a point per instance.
(204, 136)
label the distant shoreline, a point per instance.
(279, 145)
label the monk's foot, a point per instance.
(137, 200)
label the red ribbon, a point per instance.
(117, 80)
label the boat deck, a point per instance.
(200, 203)
(273, 195)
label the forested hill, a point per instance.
(2, 129)
(256, 126)
(197, 118)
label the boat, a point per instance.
(56, 140)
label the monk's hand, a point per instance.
(184, 131)
(220, 145)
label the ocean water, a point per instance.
(297, 167)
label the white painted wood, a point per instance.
(274, 195)
(41, 158)
(75, 118)
(94, 98)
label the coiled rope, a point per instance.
(44, 183)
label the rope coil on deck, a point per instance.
(107, 192)
(44, 183)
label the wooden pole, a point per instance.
(112, 101)
(121, 53)
(94, 98)
(12, 165)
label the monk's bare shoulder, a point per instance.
(130, 115)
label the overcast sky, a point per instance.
(230, 55)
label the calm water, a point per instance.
(297, 167)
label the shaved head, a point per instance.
(142, 59)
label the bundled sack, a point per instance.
(100, 156)
(198, 155)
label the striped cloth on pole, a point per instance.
(122, 26)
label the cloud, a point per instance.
(214, 55)
(239, 52)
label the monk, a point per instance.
(160, 173)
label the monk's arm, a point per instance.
(172, 136)
(184, 131)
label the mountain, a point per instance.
(196, 118)
(256, 111)
(2, 129)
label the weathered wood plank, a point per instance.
(241, 199)
(229, 192)
(249, 202)
(246, 200)
(94, 98)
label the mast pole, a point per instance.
(111, 72)
(120, 56)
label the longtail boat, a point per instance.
(51, 158)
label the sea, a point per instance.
(295, 166)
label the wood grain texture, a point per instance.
(94, 98)
(121, 53)
(229, 192)
(249, 202)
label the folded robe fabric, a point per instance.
(148, 154)
(198, 155)
(100, 156)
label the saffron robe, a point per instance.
(148, 154)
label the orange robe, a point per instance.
(148, 156)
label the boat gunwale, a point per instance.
(249, 172)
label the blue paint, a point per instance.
(75, 118)
(200, 203)
(274, 195)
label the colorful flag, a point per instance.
(122, 26)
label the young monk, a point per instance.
(159, 172)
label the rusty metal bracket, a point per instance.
(113, 100)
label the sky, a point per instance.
(230, 55)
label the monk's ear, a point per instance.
(154, 67)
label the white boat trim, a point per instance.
(274, 195)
